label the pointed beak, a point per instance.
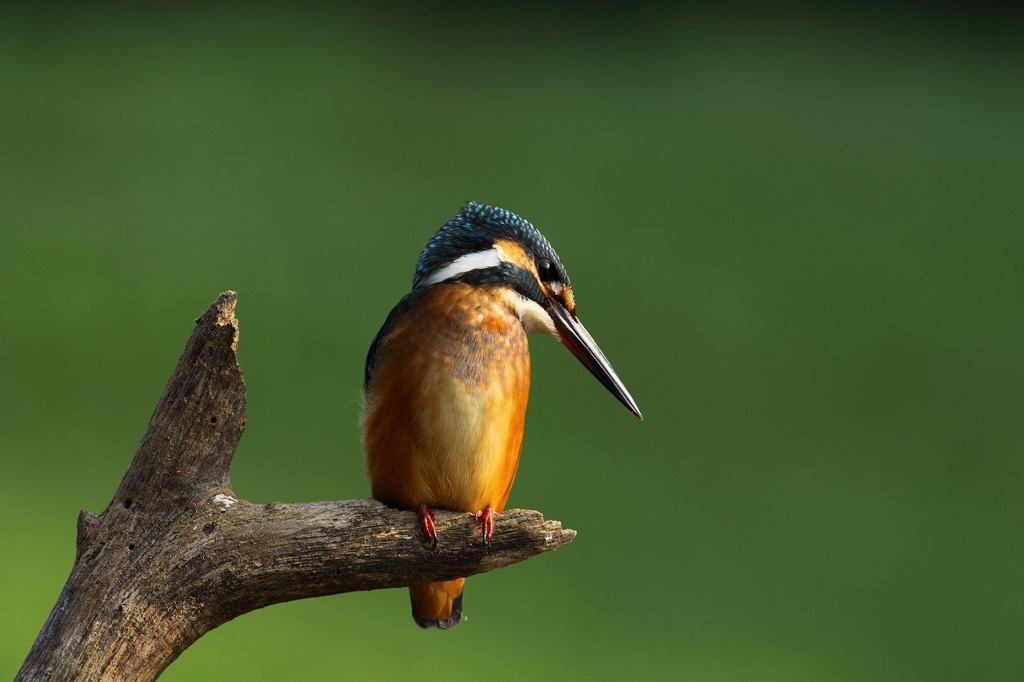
(575, 337)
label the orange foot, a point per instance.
(426, 515)
(486, 518)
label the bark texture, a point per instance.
(176, 553)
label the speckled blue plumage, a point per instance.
(475, 228)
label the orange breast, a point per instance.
(444, 412)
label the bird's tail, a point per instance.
(437, 605)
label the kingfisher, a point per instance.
(448, 377)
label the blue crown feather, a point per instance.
(475, 228)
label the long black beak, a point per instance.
(575, 337)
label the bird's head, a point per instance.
(489, 246)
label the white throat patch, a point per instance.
(534, 318)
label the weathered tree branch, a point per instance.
(176, 554)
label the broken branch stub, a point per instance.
(176, 553)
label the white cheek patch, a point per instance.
(471, 261)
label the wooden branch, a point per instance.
(176, 553)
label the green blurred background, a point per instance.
(796, 233)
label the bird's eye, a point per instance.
(545, 270)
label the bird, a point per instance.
(447, 378)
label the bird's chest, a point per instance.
(472, 379)
(445, 422)
(475, 349)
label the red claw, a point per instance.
(486, 518)
(426, 515)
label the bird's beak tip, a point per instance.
(575, 337)
(632, 406)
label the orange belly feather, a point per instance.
(444, 415)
